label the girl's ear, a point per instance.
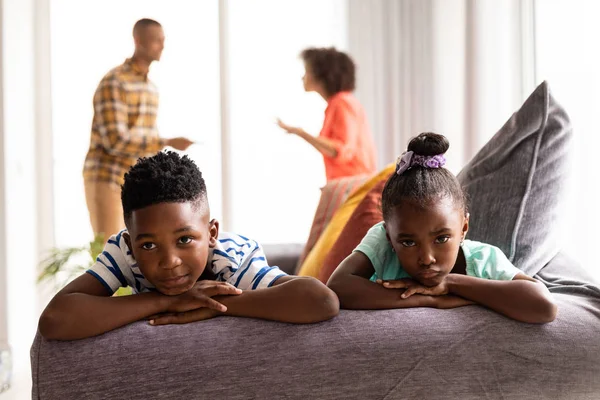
(213, 230)
(387, 235)
(127, 239)
(465, 228)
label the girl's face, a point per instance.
(427, 239)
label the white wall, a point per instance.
(19, 123)
(3, 258)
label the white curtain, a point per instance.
(455, 67)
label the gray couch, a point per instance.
(516, 184)
(420, 353)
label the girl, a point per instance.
(419, 257)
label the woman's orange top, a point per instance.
(346, 127)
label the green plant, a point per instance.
(64, 264)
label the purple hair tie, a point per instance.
(409, 159)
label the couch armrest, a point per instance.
(284, 255)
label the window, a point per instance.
(85, 48)
(567, 35)
(275, 177)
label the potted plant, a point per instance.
(64, 264)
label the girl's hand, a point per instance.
(186, 317)
(451, 301)
(287, 128)
(411, 287)
(200, 296)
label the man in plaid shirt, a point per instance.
(124, 128)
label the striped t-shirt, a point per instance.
(235, 259)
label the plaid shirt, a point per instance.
(124, 125)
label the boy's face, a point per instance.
(170, 242)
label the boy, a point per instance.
(183, 271)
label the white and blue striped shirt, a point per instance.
(236, 259)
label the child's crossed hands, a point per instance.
(411, 287)
(196, 304)
(442, 300)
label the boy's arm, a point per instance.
(84, 307)
(524, 298)
(300, 300)
(291, 299)
(350, 281)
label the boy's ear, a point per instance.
(213, 230)
(127, 239)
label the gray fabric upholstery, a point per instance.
(285, 256)
(420, 353)
(517, 180)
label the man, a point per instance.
(124, 128)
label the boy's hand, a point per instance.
(411, 287)
(199, 296)
(199, 314)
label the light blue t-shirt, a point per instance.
(483, 260)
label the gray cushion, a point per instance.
(517, 180)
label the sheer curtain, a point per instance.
(461, 67)
(457, 67)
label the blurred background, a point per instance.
(231, 67)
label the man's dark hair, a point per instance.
(144, 23)
(334, 69)
(163, 178)
(422, 185)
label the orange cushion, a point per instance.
(367, 213)
(333, 194)
(314, 260)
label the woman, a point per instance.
(345, 139)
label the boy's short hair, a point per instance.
(163, 178)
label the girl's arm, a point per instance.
(350, 281)
(524, 298)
